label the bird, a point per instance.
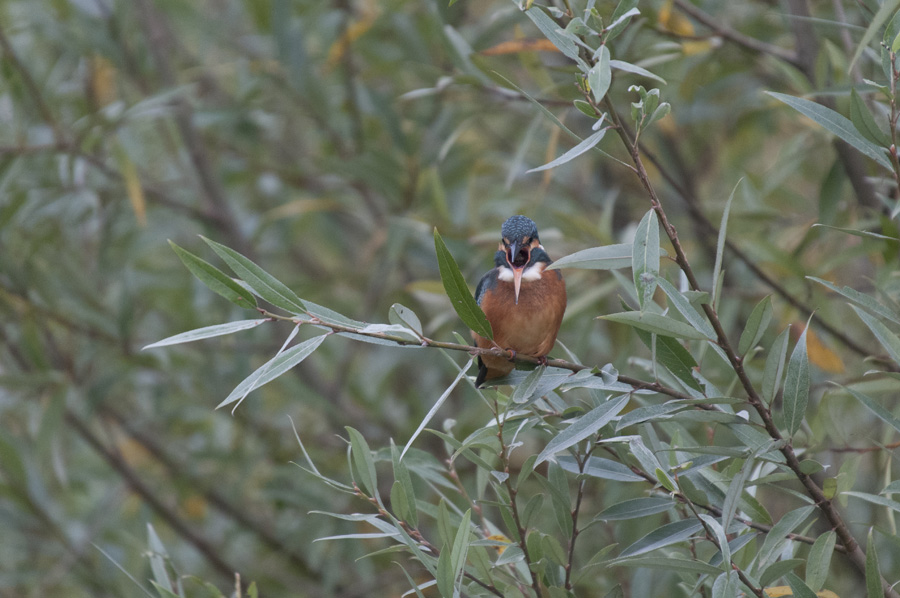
(523, 301)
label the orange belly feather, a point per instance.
(529, 327)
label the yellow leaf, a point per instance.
(692, 48)
(352, 32)
(301, 207)
(134, 190)
(821, 356)
(194, 506)
(779, 591)
(499, 538)
(674, 22)
(520, 45)
(102, 80)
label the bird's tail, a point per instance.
(482, 373)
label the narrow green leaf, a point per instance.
(873, 576)
(207, 332)
(598, 467)
(798, 588)
(864, 122)
(863, 234)
(873, 406)
(560, 498)
(796, 385)
(263, 284)
(756, 325)
(620, 18)
(864, 301)
(645, 258)
(819, 561)
(883, 13)
(458, 291)
(669, 534)
(657, 324)
(363, 463)
(885, 336)
(404, 481)
(720, 245)
(158, 558)
(775, 365)
(553, 550)
(552, 32)
(526, 389)
(635, 69)
(404, 316)
(607, 257)
(875, 499)
(585, 108)
(273, 368)
(735, 490)
(777, 538)
(573, 153)
(636, 508)
(600, 75)
(684, 307)
(584, 426)
(835, 123)
(460, 548)
(725, 585)
(673, 356)
(669, 563)
(215, 279)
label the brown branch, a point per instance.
(635, 383)
(511, 490)
(750, 43)
(854, 552)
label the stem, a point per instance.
(635, 383)
(575, 511)
(854, 552)
(504, 459)
(711, 536)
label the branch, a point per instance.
(635, 383)
(751, 43)
(854, 552)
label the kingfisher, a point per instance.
(523, 301)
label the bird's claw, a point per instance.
(512, 354)
(542, 360)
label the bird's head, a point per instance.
(520, 248)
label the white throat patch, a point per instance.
(530, 273)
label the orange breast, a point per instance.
(529, 327)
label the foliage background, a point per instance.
(325, 140)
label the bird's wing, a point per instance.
(487, 282)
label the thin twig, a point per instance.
(511, 490)
(751, 43)
(635, 383)
(854, 552)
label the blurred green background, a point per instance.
(326, 140)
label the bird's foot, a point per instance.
(512, 354)
(542, 360)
